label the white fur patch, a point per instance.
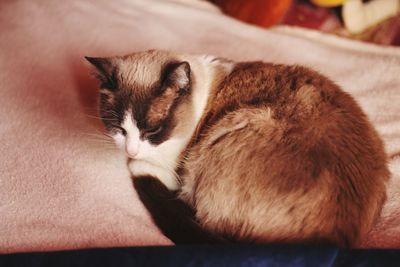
(132, 141)
(143, 168)
(200, 95)
(119, 139)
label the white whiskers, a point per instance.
(100, 139)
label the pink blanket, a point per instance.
(60, 187)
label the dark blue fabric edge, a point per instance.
(207, 255)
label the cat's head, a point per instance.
(151, 102)
(145, 100)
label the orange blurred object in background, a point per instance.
(264, 13)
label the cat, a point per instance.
(253, 151)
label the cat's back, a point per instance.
(293, 155)
(293, 91)
(306, 107)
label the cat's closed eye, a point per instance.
(153, 131)
(120, 129)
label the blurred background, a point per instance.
(375, 21)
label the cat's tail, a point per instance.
(174, 217)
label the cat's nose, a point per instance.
(131, 154)
(131, 151)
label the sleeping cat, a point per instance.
(255, 152)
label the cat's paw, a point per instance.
(143, 168)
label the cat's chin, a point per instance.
(140, 168)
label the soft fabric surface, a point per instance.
(61, 189)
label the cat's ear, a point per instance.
(178, 76)
(105, 71)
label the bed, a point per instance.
(62, 187)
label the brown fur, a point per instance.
(304, 165)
